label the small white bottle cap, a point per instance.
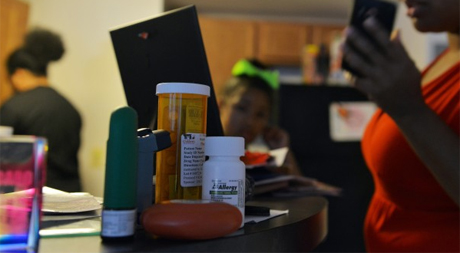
(187, 88)
(6, 131)
(224, 146)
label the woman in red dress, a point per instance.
(412, 144)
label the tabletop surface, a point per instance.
(302, 229)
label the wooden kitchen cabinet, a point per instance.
(324, 34)
(13, 26)
(272, 42)
(281, 43)
(226, 41)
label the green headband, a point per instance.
(244, 67)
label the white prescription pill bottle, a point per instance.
(224, 174)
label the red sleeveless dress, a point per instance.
(409, 211)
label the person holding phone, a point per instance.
(411, 145)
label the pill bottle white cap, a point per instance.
(224, 146)
(185, 88)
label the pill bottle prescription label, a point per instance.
(230, 191)
(194, 118)
(192, 159)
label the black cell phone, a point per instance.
(383, 10)
(257, 210)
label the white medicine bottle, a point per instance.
(224, 174)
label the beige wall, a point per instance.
(88, 73)
(418, 45)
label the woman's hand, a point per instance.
(386, 73)
(276, 137)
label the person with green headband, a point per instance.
(246, 105)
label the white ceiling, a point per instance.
(332, 10)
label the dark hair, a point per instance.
(243, 81)
(39, 49)
(246, 81)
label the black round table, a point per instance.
(302, 229)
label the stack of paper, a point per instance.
(69, 214)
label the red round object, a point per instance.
(191, 221)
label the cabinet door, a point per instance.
(13, 25)
(324, 34)
(226, 42)
(281, 43)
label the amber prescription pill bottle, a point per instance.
(182, 109)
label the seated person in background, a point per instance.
(246, 105)
(37, 109)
